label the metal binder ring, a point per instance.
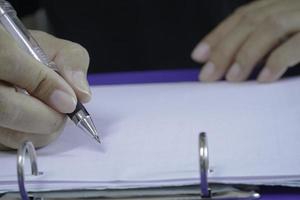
(26, 147)
(204, 164)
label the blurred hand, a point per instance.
(262, 29)
(39, 116)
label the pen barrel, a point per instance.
(12, 24)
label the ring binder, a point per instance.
(26, 148)
(204, 165)
(209, 192)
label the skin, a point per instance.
(39, 116)
(264, 30)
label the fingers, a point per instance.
(269, 34)
(25, 113)
(11, 139)
(223, 54)
(202, 51)
(252, 38)
(24, 117)
(285, 56)
(20, 69)
(71, 59)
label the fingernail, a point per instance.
(62, 101)
(265, 75)
(201, 52)
(78, 78)
(234, 72)
(207, 71)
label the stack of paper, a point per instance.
(150, 138)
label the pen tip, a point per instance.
(87, 125)
(97, 139)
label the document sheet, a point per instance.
(150, 138)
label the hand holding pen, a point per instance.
(39, 116)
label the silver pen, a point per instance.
(13, 25)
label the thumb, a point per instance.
(72, 61)
(20, 69)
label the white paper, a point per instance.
(150, 138)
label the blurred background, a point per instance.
(131, 35)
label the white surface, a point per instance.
(150, 137)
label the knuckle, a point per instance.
(252, 18)
(39, 77)
(244, 56)
(248, 16)
(78, 50)
(43, 85)
(222, 52)
(75, 50)
(221, 57)
(275, 22)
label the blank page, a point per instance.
(150, 137)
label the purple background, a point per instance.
(161, 76)
(144, 77)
